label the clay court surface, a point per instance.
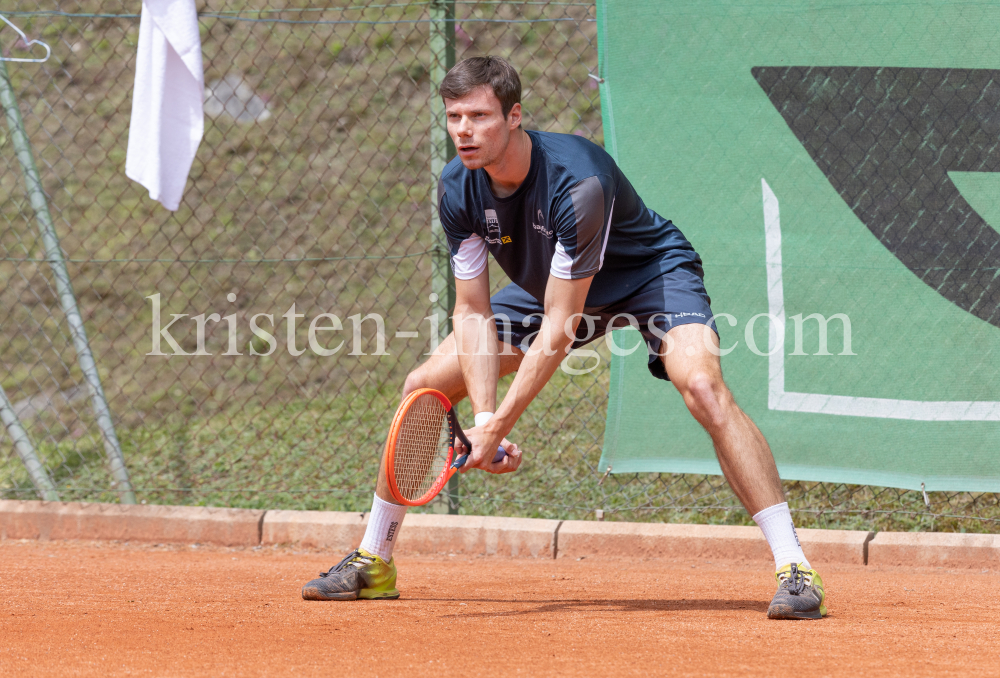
(96, 609)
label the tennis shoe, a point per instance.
(800, 594)
(359, 575)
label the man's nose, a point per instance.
(465, 127)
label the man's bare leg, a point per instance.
(747, 463)
(743, 453)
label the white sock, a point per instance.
(779, 530)
(383, 528)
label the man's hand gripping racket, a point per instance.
(420, 453)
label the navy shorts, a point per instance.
(675, 298)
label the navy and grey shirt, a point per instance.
(575, 215)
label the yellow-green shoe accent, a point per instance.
(359, 575)
(800, 594)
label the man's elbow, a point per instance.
(563, 332)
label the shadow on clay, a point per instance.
(601, 605)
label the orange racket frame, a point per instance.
(452, 465)
(390, 449)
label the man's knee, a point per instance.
(707, 396)
(414, 380)
(431, 376)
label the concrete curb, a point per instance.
(479, 535)
(421, 533)
(579, 538)
(935, 549)
(836, 546)
(187, 524)
(483, 535)
(335, 530)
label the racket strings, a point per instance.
(421, 453)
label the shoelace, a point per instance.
(795, 581)
(355, 555)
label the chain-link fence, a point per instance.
(310, 194)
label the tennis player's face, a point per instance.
(478, 128)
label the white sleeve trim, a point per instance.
(607, 233)
(470, 260)
(562, 263)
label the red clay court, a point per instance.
(97, 609)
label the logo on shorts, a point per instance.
(392, 530)
(540, 226)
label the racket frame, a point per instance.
(390, 447)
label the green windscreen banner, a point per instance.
(837, 166)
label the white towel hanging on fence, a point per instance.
(167, 118)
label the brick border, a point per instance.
(482, 535)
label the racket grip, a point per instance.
(460, 462)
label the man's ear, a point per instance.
(514, 117)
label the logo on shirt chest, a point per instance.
(493, 229)
(492, 223)
(540, 226)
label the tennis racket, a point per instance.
(420, 450)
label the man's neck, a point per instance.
(506, 175)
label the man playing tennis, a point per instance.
(565, 224)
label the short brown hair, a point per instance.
(474, 72)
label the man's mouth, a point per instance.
(467, 148)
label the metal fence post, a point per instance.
(26, 451)
(54, 255)
(442, 43)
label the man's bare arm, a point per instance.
(564, 302)
(476, 340)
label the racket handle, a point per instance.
(460, 462)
